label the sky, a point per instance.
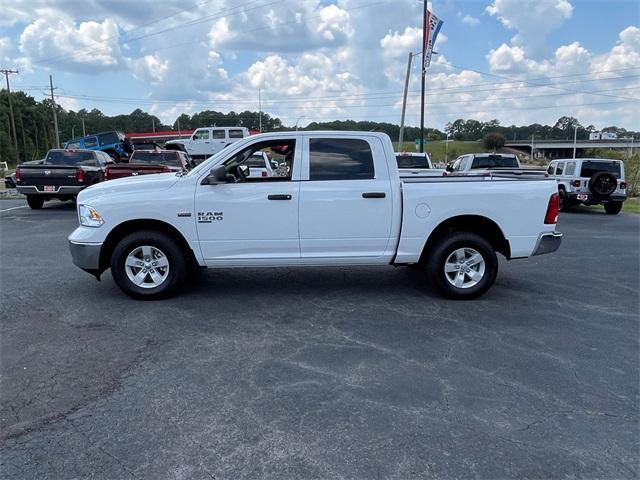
(520, 61)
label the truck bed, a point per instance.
(428, 201)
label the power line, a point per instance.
(527, 81)
(372, 96)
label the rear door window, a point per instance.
(591, 167)
(571, 168)
(218, 135)
(236, 134)
(340, 159)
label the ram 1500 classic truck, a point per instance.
(341, 202)
(62, 175)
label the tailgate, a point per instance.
(132, 169)
(49, 175)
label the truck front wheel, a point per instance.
(148, 265)
(35, 202)
(462, 265)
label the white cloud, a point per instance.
(469, 20)
(532, 19)
(151, 68)
(88, 47)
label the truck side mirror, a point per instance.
(216, 176)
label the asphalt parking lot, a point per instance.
(330, 373)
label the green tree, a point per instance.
(494, 140)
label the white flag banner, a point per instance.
(433, 25)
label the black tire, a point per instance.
(447, 247)
(603, 184)
(612, 208)
(565, 201)
(35, 202)
(174, 276)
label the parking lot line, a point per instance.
(14, 208)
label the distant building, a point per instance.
(603, 136)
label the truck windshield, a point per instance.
(412, 161)
(590, 168)
(71, 158)
(155, 158)
(495, 161)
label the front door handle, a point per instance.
(279, 197)
(374, 195)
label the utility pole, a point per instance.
(575, 140)
(84, 133)
(260, 108)
(424, 73)
(55, 115)
(404, 102)
(13, 121)
(153, 121)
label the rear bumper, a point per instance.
(60, 190)
(547, 243)
(593, 199)
(86, 256)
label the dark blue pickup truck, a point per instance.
(116, 144)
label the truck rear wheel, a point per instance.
(35, 202)
(613, 208)
(463, 265)
(148, 265)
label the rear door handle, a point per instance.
(374, 195)
(279, 197)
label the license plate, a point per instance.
(49, 188)
(583, 197)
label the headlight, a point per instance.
(89, 216)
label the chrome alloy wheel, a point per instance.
(464, 268)
(147, 267)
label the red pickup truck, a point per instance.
(145, 162)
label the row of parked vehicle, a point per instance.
(85, 161)
(588, 181)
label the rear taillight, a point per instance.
(575, 183)
(18, 175)
(623, 185)
(80, 175)
(264, 174)
(106, 174)
(551, 218)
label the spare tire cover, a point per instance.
(603, 184)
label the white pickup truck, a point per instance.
(340, 203)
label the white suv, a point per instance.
(592, 181)
(208, 141)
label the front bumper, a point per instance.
(86, 256)
(547, 243)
